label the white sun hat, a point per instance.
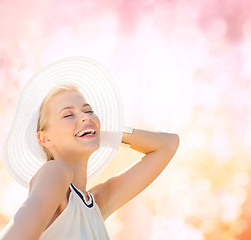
(23, 155)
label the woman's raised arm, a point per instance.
(159, 148)
(49, 187)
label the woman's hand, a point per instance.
(146, 141)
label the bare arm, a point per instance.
(50, 185)
(159, 148)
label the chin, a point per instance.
(92, 147)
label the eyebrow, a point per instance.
(86, 104)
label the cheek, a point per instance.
(97, 121)
(63, 128)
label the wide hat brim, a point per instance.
(23, 155)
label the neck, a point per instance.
(79, 175)
(79, 168)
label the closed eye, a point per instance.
(68, 116)
(72, 115)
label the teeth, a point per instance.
(91, 130)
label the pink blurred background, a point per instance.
(181, 66)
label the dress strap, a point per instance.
(88, 203)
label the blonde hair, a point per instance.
(43, 113)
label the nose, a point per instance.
(84, 117)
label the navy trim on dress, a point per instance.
(81, 196)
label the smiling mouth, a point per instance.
(87, 135)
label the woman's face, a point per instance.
(64, 122)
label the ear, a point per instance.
(44, 139)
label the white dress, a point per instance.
(80, 220)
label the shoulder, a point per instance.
(52, 173)
(48, 189)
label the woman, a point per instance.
(77, 112)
